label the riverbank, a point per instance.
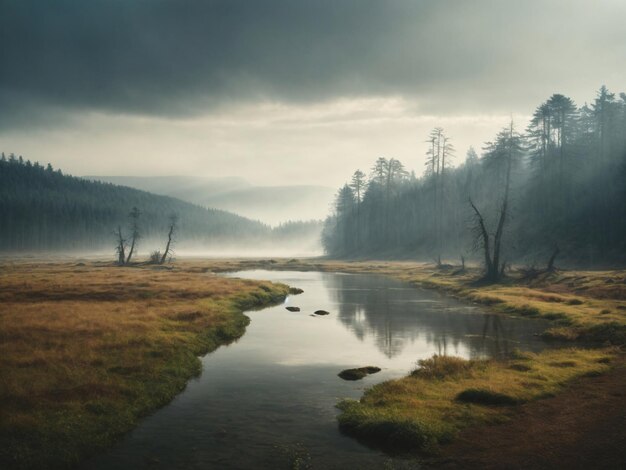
(445, 395)
(88, 349)
(423, 411)
(583, 306)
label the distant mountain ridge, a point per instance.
(269, 204)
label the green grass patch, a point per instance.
(561, 333)
(441, 367)
(447, 394)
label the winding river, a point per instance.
(268, 400)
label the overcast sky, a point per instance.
(287, 91)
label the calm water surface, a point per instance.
(270, 397)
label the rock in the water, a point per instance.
(293, 309)
(321, 312)
(358, 373)
(295, 290)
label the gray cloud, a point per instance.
(176, 58)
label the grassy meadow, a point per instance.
(87, 350)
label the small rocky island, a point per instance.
(358, 373)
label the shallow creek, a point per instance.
(268, 400)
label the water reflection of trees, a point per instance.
(395, 315)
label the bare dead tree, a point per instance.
(550, 268)
(482, 236)
(503, 268)
(120, 247)
(494, 268)
(460, 270)
(532, 272)
(134, 232)
(497, 240)
(173, 227)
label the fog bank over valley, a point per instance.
(272, 205)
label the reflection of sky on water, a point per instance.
(277, 386)
(382, 321)
(396, 316)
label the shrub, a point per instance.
(155, 257)
(612, 332)
(561, 334)
(439, 367)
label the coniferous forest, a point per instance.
(563, 174)
(41, 209)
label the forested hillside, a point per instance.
(270, 204)
(567, 189)
(43, 209)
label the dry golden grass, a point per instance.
(86, 350)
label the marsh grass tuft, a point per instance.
(612, 332)
(442, 367)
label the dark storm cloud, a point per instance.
(181, 57)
